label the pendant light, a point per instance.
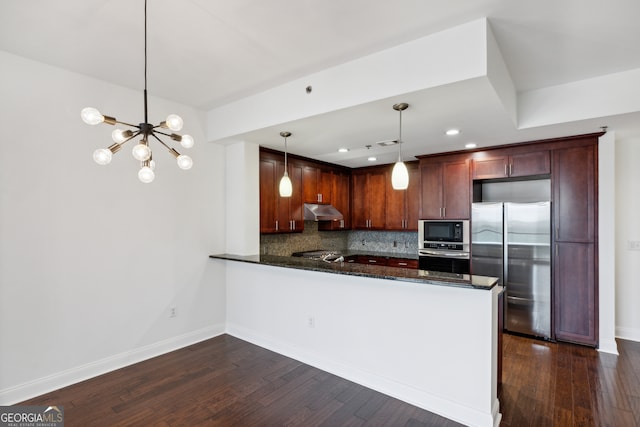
(400, 174)
(141, 152)
(286, 188)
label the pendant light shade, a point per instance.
(400, 174)
(286, 187)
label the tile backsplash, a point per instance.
(401, 242)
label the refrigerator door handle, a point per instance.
(516, 300)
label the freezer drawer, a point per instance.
(528, 316)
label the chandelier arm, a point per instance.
(127, 124)
(130, 138)
(162, 133)
(163, 143)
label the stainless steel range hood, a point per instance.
(313, 212)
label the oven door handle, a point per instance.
(441, 254)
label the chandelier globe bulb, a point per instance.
(141, 152)
(146, 174)
(187, 141)
(102, 156)
(174, 122)
(91, 116)
(184, 162)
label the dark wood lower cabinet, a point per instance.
(402, 263)
(384, 261)
(575, 293)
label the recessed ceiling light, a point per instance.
(471, 145)
(343, 150)
(372, 159)
(452, 132)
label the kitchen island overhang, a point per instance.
(421, 340)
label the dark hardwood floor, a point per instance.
(554, 384)
(228, 382)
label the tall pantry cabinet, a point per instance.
(575, 243)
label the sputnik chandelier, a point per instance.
(141, 152)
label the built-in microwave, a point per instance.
(443, 231)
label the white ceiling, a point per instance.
(209, 53)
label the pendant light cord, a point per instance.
(286, 172)
(400, 139)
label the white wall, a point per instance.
(606, 244)
(91, 259)
(242, 198)
(627, 229)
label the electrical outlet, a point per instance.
(633, 245)
(311, 322)
(172, 311)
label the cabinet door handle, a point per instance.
(444, 212)
(342, 223)
(505, 170)
(510, 169)
(372, 260)
(277, 225)
(319, 198)
(402, 263)
(556, 250)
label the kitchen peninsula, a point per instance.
(430, 339)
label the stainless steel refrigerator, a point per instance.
(511, 241)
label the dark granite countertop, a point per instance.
(365, 270)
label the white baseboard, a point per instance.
(404, 392)
(608, 346)
(631, 334)
(37, 387)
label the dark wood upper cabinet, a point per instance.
(316, 185)
(510, 164)
(368, 200)
(341, 200)
(403, 206)
(445, 189)
(574, 193)
(268, 197)
(280, 214)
